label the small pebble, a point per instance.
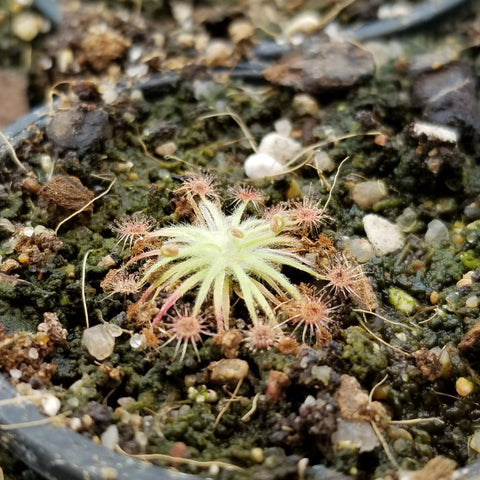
(304, 104)
(137, 340)
(241, 30)
(165, 149)
(322, 161)
(108, 473)
(306, 23)
(228, 371)
(27, 25)
(107, 261)
(6, 226)
(437, 233)
(50, 405)
(407, 220)
(435, 132)
(384, 236)
(75, 424)
(257, 454)
(472, 301)
(463, 386)
(33, 353)
(402, 301)
(15, 373)
(218, 52)
(64, 59)
(110, 437)
(434, 297)
(474, 441)
(261, 165)
(361, 249)
(366, 194)
(98, 341)
(280, 147)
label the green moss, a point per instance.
(365, 358)
(445, 268)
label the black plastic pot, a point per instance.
(59, 453)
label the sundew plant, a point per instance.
(218, 253)
(220, 256)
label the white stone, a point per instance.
(137, 70)
(50, 405)
(394, 10)
(15, 373)
(361, 249)
(218, 52)
(46, 163)
(109, 94)
(437, 233)
(98, 341)
(435, 132)
(366, 194)
(33, 353)
(182, 12)
(283, 126)
(306, 22)
(113, 330)
(407, 220)
(353, 434)
(384, 236)
(304, 104)
(110, 437)
(280, 147)
(137, 340)
(322, 161)
(27, 25)
(141, 439)
(261, 165)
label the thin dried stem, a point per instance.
(84, 299)
(240, 123)
(227, 404)
(13, 155)
(372, 391)
(80, 210)
(380, 339)
(188, 461)
(385, 446)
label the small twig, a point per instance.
(17, 399)
(13, 155)
(227, 404)
(188, 461)
(315, 146)
(252, 410)
(381, 340)
(85, 206)
(330, 192)
(370, 396)
(33, 423)
(84, 299)
(415, 421)
(385, 446)
(385, 319)
(239, 122)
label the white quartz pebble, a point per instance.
(384, 236)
